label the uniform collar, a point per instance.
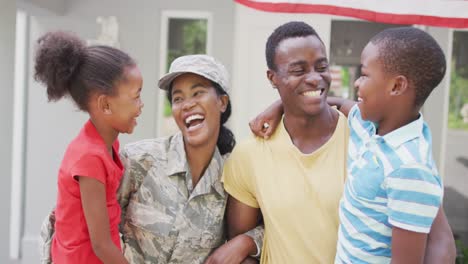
(211, 177)
(176, 159)
(177, 164)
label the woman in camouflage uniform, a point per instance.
(171, 194)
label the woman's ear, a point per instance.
(400, 85)
(224, 99)
(103, 104)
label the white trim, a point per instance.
(445, 106)
(345, 18)
(165, 16)
(19, 111)
(438, 8)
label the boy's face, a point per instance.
(372, 86)
(302, 75)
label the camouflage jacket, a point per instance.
(45, 239)
(164, 219)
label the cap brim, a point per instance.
(165, 82)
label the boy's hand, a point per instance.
(266, 123)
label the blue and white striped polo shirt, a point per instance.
(392, 181)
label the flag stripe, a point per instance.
(454, 15)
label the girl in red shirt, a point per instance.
(106, 83)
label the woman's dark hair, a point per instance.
(226, 140)
(68, 67)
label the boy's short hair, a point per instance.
(292, 29)
(415, 54)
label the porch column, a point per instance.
(7, 51)
(435, 109)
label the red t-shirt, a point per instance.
(86, 156)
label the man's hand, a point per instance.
(232, 252)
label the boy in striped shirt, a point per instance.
(393, 190)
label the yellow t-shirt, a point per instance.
(297, 193)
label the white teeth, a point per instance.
(191, 128)
(359, 99)
(312, 93)
(193, 117)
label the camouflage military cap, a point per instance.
(202, 65)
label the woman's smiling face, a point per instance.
(197, 108)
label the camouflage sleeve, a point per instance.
(45, 240)
(131, 181)
(257, 235)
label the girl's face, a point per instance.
(126, 104)
(197, 108)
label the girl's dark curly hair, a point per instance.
(68, 67)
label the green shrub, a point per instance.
(462, 253)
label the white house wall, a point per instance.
(43, 6)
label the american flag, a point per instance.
(441, 13)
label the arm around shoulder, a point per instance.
(343, 105)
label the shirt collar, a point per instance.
(405, 133)
(92, 134)
(176, 159)
(212, 176)
(177, 163)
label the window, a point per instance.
(348, 39)
(182, 33)
(458, 100)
